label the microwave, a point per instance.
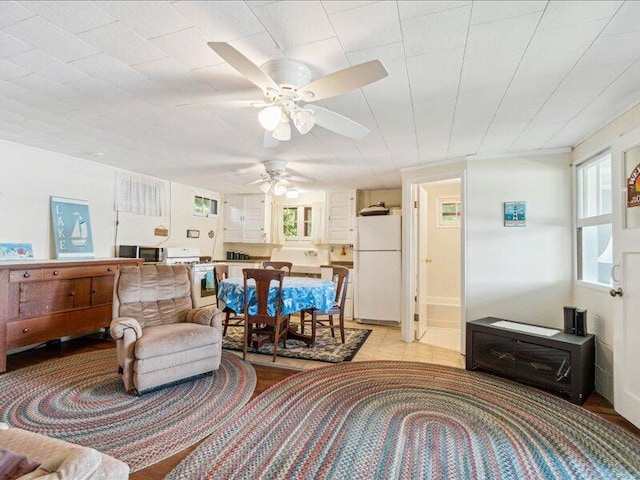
(147, 254)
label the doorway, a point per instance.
(438, 264)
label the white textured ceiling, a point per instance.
(482, 77)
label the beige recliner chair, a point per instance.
(160, 337)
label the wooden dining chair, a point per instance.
(262, 323)
(220, 273)
(285, 266)
(340, 276)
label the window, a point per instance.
(296, 223)
(594, 232)
(204, 206)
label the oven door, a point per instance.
(204, 290)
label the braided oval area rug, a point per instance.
(384, 420)
(81, 399)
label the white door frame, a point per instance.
(410, 251)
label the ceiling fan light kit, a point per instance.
(270, 117)
(282, 132)
(303, 120)
(279, 189)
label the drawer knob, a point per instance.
(109, 269)
(94, 290)
(55, 272)
(25, 330)
(26, 275)
(71, 294)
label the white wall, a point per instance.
(31, 175)
(519, 273)
(139, 229)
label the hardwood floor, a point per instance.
(266, 377)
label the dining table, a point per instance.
(298, 293)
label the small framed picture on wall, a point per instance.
(448, 212)
(193, 233)
(515, 214)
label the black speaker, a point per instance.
(581, 323)
(570, 320)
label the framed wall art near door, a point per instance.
(71, 228)
(515, 214)
(448, 212)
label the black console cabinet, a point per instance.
(561, 363)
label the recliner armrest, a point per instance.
(211, 316)
(120, 324)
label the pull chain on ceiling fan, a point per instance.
(285, 83)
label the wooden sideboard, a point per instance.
(50, 299)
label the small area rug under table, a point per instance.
(326, 349)
(398, 420)
(81, 399)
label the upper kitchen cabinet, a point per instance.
(341, 213)
(247, 218)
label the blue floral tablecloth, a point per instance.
(298, 293)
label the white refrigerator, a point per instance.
(378, 265)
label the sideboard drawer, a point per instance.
(40, 329)
(31, 275)
(79, 272)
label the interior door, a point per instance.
(625, 274)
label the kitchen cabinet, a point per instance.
(247, 219)
(562, 363)
(325, 274)
(341, 213)
(46, 300)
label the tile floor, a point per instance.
(384, 343)
(447, 338)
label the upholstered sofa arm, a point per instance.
(211, 316)
(121, 324)
(60, 459)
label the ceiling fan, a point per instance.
(278, 180)
(287, 83)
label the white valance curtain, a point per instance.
(141, 195)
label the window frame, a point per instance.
(212, 198)
(581, 222)
(300, 221)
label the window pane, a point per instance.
(206, 206)
(198, 204)
(290, 221)
(307, 221)
(595, 255)
(594, 188)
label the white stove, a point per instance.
(181, 255)
(203, 285)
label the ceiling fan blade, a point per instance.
(346, 80)
(269, 141)
(224, 104)
(255, 182)
(243, 65)
(337, 123)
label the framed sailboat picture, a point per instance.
(71, 228)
